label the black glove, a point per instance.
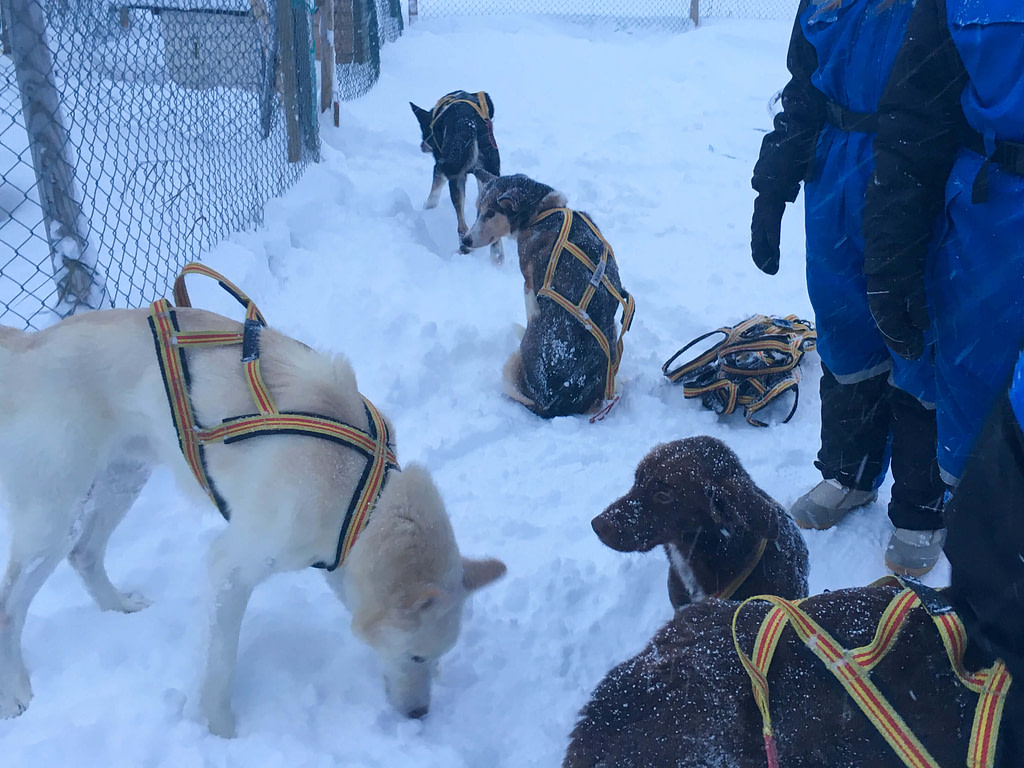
(900, 308)
(766, 232)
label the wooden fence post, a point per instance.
(694, 11)
(80, 282)
(324, 28)
(289, 84)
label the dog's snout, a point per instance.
(467, 240)
(606, 532)
(419, 712)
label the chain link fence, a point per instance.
(135, 134)
(361, 27)
(749, 9)
(673, 15)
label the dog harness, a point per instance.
(374, 444)
(477, 101)
(742, 576)
(754, 363)
(598, 279)
(852, 669)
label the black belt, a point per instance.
(1008, 155)
(845, 120)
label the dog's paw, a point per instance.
(14, 700)
(130, 602)
(431, 203)
(222, 724)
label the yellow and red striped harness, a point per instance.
(478, 103)
(374, 444)
(852, 669)
(598, 278)
(754, 363)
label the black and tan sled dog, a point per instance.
(570, 351)
(459, 134)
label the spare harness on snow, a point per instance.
(598, 278)
(477, 101)
(374, 444)
(751, 366)
(852, 668)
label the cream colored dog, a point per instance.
(83, 417)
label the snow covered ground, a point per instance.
(654, 135)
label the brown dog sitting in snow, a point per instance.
(723, 535)
(570, 351)
(686, 701)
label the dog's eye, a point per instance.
(663, 497)
(418, 659)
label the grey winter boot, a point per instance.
(827, 503)
(914, 553)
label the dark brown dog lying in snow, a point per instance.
(685, 701)
(694, 498)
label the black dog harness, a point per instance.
(598, 279)
(477, 101)
(754, 363)
(374, 444)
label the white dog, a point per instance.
(83, 417)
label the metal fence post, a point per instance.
(80, 282)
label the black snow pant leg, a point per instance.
(985, 546)
(854, 430)
(917, 487)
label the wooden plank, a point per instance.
(289, 82)
(694, 12)
(344, 32)
(327, 57)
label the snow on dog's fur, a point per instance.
(83, 417)
(694, 498)
(685, 700)
(559, 368)
(462, 142)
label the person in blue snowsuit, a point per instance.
(951, 142)
(873, 404)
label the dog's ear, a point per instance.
(427, 597)
(480, 573)
(490, 104)
(740, 502)
(484, 177)
(509, 202)
(422, 116)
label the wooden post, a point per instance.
(337, 114)
(289, 84)
(414, 10)
(359, 47)
(324, 25)
(344, 32)
(80, 282)
(694, 11)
